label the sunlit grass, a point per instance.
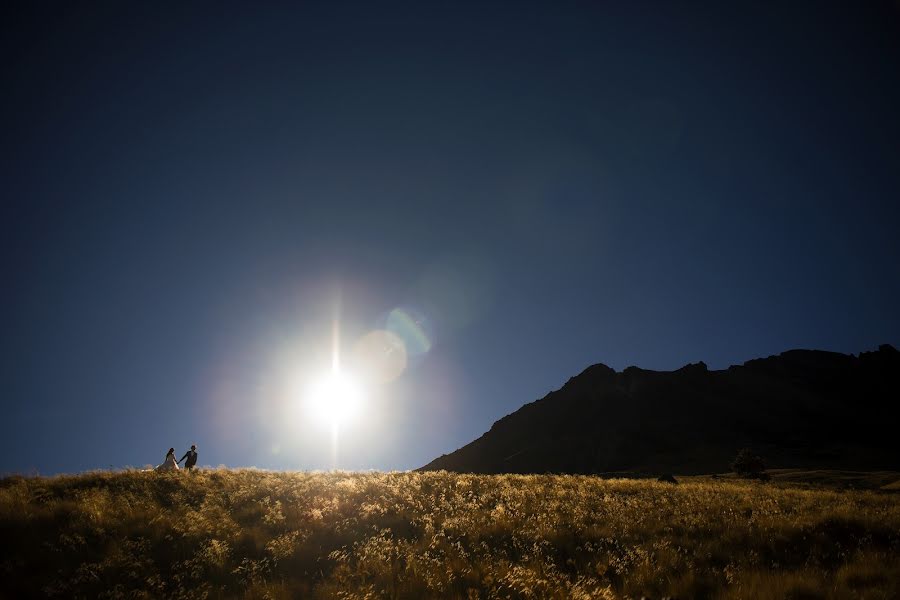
(256, 534)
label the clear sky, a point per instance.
(192, 191)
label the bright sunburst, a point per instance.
(335, 399)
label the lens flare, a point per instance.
(380, 355)
(413, 328)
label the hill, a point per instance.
(801, 408)
(253, 534)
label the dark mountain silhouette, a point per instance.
(802, 408)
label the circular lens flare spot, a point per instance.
(381, 355)
(412, 327)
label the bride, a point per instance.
(169, 464)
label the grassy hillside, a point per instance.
(253, 534)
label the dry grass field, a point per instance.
(256, 534)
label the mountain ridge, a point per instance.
(799, 408)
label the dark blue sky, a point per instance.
(188, 190)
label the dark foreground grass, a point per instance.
(255, 534)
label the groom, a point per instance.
(191, 456)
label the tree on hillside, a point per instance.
(749, 465)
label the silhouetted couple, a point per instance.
(170, 464)
(191, 456)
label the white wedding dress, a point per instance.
(169, 464)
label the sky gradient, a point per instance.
(192, 192)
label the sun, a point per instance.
(335, 399)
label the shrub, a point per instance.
(749, 465)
